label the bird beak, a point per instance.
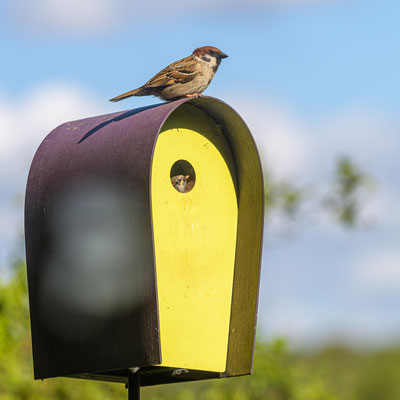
(187, 177)
(222, 55)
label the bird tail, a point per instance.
(142, 91)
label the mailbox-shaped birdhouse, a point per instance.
(143, 239)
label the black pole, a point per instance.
(134, 384)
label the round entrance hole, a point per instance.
(182, 176)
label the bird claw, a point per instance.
(187, 96)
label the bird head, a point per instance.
(209, 54)
(179, 182)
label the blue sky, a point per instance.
(313, 79)
(318, 57)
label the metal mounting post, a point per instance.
(134, 383)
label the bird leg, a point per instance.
(192, 95)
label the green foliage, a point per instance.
(283, 196)
(279, 374)
(16, 372)
(350, 185)
(345, 198)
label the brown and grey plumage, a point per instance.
(188, 77)
(181, 183)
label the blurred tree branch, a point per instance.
(283, 196)
(350, 186)
(344, 198)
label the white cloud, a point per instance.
(363, 133)
(279, 134)
(74, 17)
(345, 314)
(293, 145)
(77, 17)
(288, 318)
(378, 271)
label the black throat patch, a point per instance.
(215, 67)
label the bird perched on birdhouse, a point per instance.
(188, 77)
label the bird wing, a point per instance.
(182, 71)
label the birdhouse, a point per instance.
(143, 241)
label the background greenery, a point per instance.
(330, 373)
(335, 372)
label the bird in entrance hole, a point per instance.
(188, 77)
(182, 183)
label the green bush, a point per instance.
(330, 374)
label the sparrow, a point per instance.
(181, 183)
(188, 77)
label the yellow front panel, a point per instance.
(195, 241)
